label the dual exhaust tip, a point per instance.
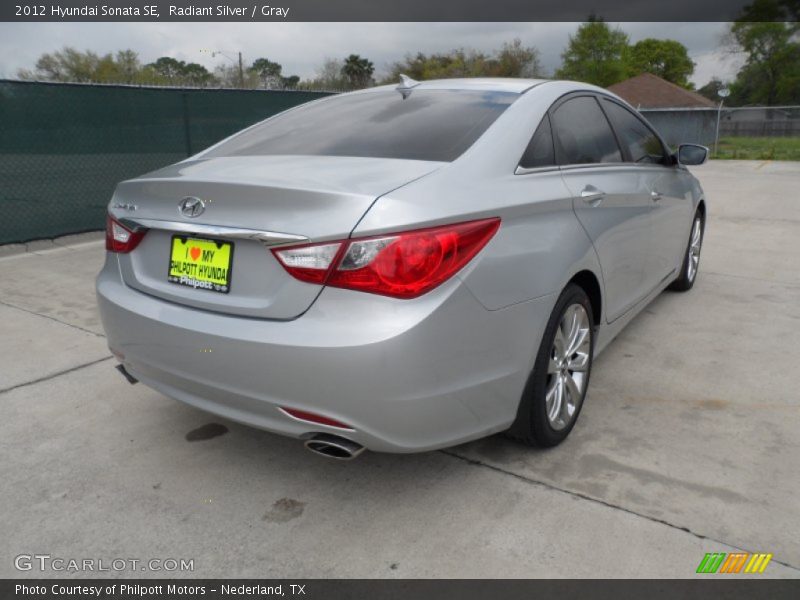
(334, 446)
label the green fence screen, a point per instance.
(64, 147)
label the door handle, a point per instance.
(591, 194)
(655, 196)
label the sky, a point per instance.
(302, 47)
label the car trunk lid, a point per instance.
(249, 203)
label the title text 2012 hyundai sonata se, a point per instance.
(401, 268)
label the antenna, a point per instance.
(406, 82)
(406, 85)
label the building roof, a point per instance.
(650, 91)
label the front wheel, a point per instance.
(556, 388)
(691, 260)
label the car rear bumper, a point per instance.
(407, 376)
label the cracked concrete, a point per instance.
(599, 501)
(688, 442)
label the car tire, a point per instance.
(691, 259)
(554, 394)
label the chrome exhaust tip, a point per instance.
(333, 446)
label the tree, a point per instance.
(227, 75)
(67, 64)
(128, 65)
(78, 66)
(106, 70)
(269, 72)
(666, 58)
(71, 65)
(357, 71)
(328, 76)
(290, 82)
(178, 72)
(169, 68)
(595, 54)
(711, 89)
(512, 60)
(771, 73)
(456, 63)
(196, 75)
(516, 60)
(48, 67)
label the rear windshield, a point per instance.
(437, 125)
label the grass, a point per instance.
(759, 148)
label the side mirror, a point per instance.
(692, 154)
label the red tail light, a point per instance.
(401, 265)
(119, 238)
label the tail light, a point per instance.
(401, 265)
(121, 239)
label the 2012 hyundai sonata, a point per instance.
(401, 268)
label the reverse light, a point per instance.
(400, 265)
(309, 263)
(119, 238)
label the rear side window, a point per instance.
(540, 151)
(437, 125)
(583, 135)
(642, 144)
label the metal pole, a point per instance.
(716, 135)
(241, 72)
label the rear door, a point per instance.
(662, 183)
(606, 197)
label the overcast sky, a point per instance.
(301, 47)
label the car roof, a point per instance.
(494, 84)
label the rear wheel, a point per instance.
(556, 388)
(691, 261)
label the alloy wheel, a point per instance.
(694, 249)
(567, 371)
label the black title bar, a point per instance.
(376, 10)
(397, 589)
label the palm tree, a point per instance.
(358, 71)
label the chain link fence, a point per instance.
(64, 147)
(683, 125)
(748, 132)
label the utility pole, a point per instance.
(722, 93)
(234, 61)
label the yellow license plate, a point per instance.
(201, 264)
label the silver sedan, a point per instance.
(401, 268)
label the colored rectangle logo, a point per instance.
(733, 563)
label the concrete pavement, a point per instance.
(688, 443)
